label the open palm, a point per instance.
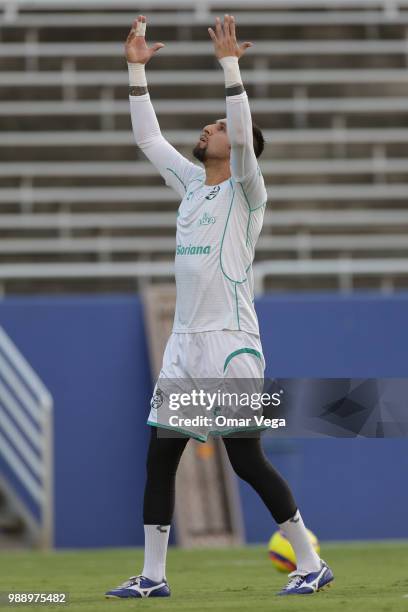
(136, 49)
(224, 39)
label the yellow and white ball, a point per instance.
(282, 554)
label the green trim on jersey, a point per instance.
(233, 280)
(177, 177)
(250, 211)
(179, 430)
(247, 201)
(191, 193)
(247, 229)
(237, 306)
(245, 195)
(260, 206)
(212, 432)
(251, 351)
(233, 430)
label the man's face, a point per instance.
(214, 142)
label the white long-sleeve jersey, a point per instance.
(217, 225)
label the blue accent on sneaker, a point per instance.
(140, 586)
(302, 583)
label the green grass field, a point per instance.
(368, 577)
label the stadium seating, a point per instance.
(81, 209)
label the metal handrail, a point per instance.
(106, 245)
(171, 78)
(200, 5)
(199, 48)
(194, 19)
(167, 220)
(63, 138)
(26, 443)
(268, 167)
(26, 195)
(343, 268)
(338, 106)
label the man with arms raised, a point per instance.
(215, 333)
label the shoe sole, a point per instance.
(118, 597)
(326, 586)
(323, 588)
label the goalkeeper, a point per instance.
(215, 333)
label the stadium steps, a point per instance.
(130, 248)
(335, 161)
(287, 167)
(180, 49)
(328, 145)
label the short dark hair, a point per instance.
(259, 140)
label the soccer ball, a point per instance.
(282, 554)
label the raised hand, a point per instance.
(136, 49)
(224, 39)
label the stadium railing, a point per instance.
(372, 156)
(190, 49)
(344, 269)
(27, 195)
(310, 218)
(301, 105)
(105, 246)
(372, 165)
(198, 5)
(26, 442)
(387, 14)
(207, 77)
(335, 135)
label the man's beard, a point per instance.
(200, 153)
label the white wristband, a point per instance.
(137, 75)
(232, 73)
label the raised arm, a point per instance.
(176, 170)
(244, 164)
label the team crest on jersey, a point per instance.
(157, 399)
(213, 193)
(206, 219)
